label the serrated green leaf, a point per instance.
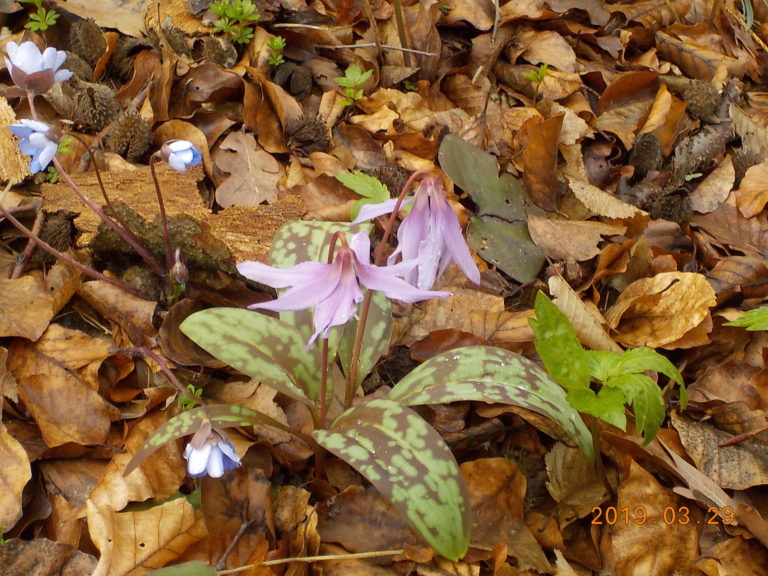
(644, 395)
(558, 346)
(608, 404)
(408, 463)
(378, 330)
(193, 568)
(264, 348)
(189, 422)
(487, 374)
(364, 185)
(507, 246)
(752, 320)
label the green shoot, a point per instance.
(351, 81)
(371, 189)
(235, 19)
(42, 19)
(752, 320)
(276, 44)
(186, 402)
(537, 76)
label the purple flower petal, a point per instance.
(382, 279)
(369, 211)
(283, 277)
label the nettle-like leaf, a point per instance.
(378, 330)
(558, 346)
(189, 422)
(371, 189)
(264, 348)
(487, 374)
(752, 320)
(644, 395)
(408, 463)
(607, 404)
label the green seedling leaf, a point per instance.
(353, 77)
(378, 330)
(477, 173)
(190, 421)
(408, 463)
(608, 404)
(194, 568)
(371, 189)
(487, 374)
(558, 346)
(644, 395)
(264, 348)
(506, 246)
(752, 320)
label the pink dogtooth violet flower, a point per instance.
(34, 71)
(180, 154)
(334, 288)
(37, 140)
(209, 452)
(429, 235)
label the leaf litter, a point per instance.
(624, 178)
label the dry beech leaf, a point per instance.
(253, 172)
(134, 542)
(695, 61)
(15, 472)
(656, 547)
(547, 47)
(478, 13)
(502, 328)
(750, 125)
(602, 203)
(659, 113)
(15, 165)
(570, 239)
(658, 311)
(26, 307)
(625, 104)
(715, 187)
(573, 483)
(53, 384)
(540, 161)
(732, 467)
(586, 320)
(752, 194)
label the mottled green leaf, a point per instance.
(487, 374)
(508, 246)
(378, 329)
(608, 404)
(267, 349)
(558, 346)
(189, 422)
(194, 568)
(408, 462)
(752, 320)
(477, 173)
(647, 402)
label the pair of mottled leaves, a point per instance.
(622, 376)
(384, 439)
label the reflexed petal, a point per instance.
(283, 277)
(368, 211)
(36, 125)
(341, 303)
(383, 280)
(21, 130)
(457, 249)
(298, 298)
(361, 245)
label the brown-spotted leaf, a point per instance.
(410, 464)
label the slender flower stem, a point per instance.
(31, 101)
(66, 258)
(378, 260)
(324, 386)
(163, 218)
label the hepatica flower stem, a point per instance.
(378, 260)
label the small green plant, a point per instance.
(186, 401)
(3, 539)
(235, 19)
(351, 81)
(42, 18)
(276, 44)
(537, 76)
(65, 147)
(752, 320)
(619, 378)
(371, 189)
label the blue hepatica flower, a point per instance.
(213, 456)
(35, 71)
(430, 235)
(37, 140)
(334, 289)
(180, 154)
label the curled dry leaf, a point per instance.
(752, 194)
(586, 320)
(15, 472)
(657, 312)
(570, 239)
(26, 307)
(600, 202)
(715, 187)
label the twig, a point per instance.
(18, 270)
(382, 46)
(357, 556)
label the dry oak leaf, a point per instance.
(658, 311)
(570, 239)
(752, 194)
(253, 173)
